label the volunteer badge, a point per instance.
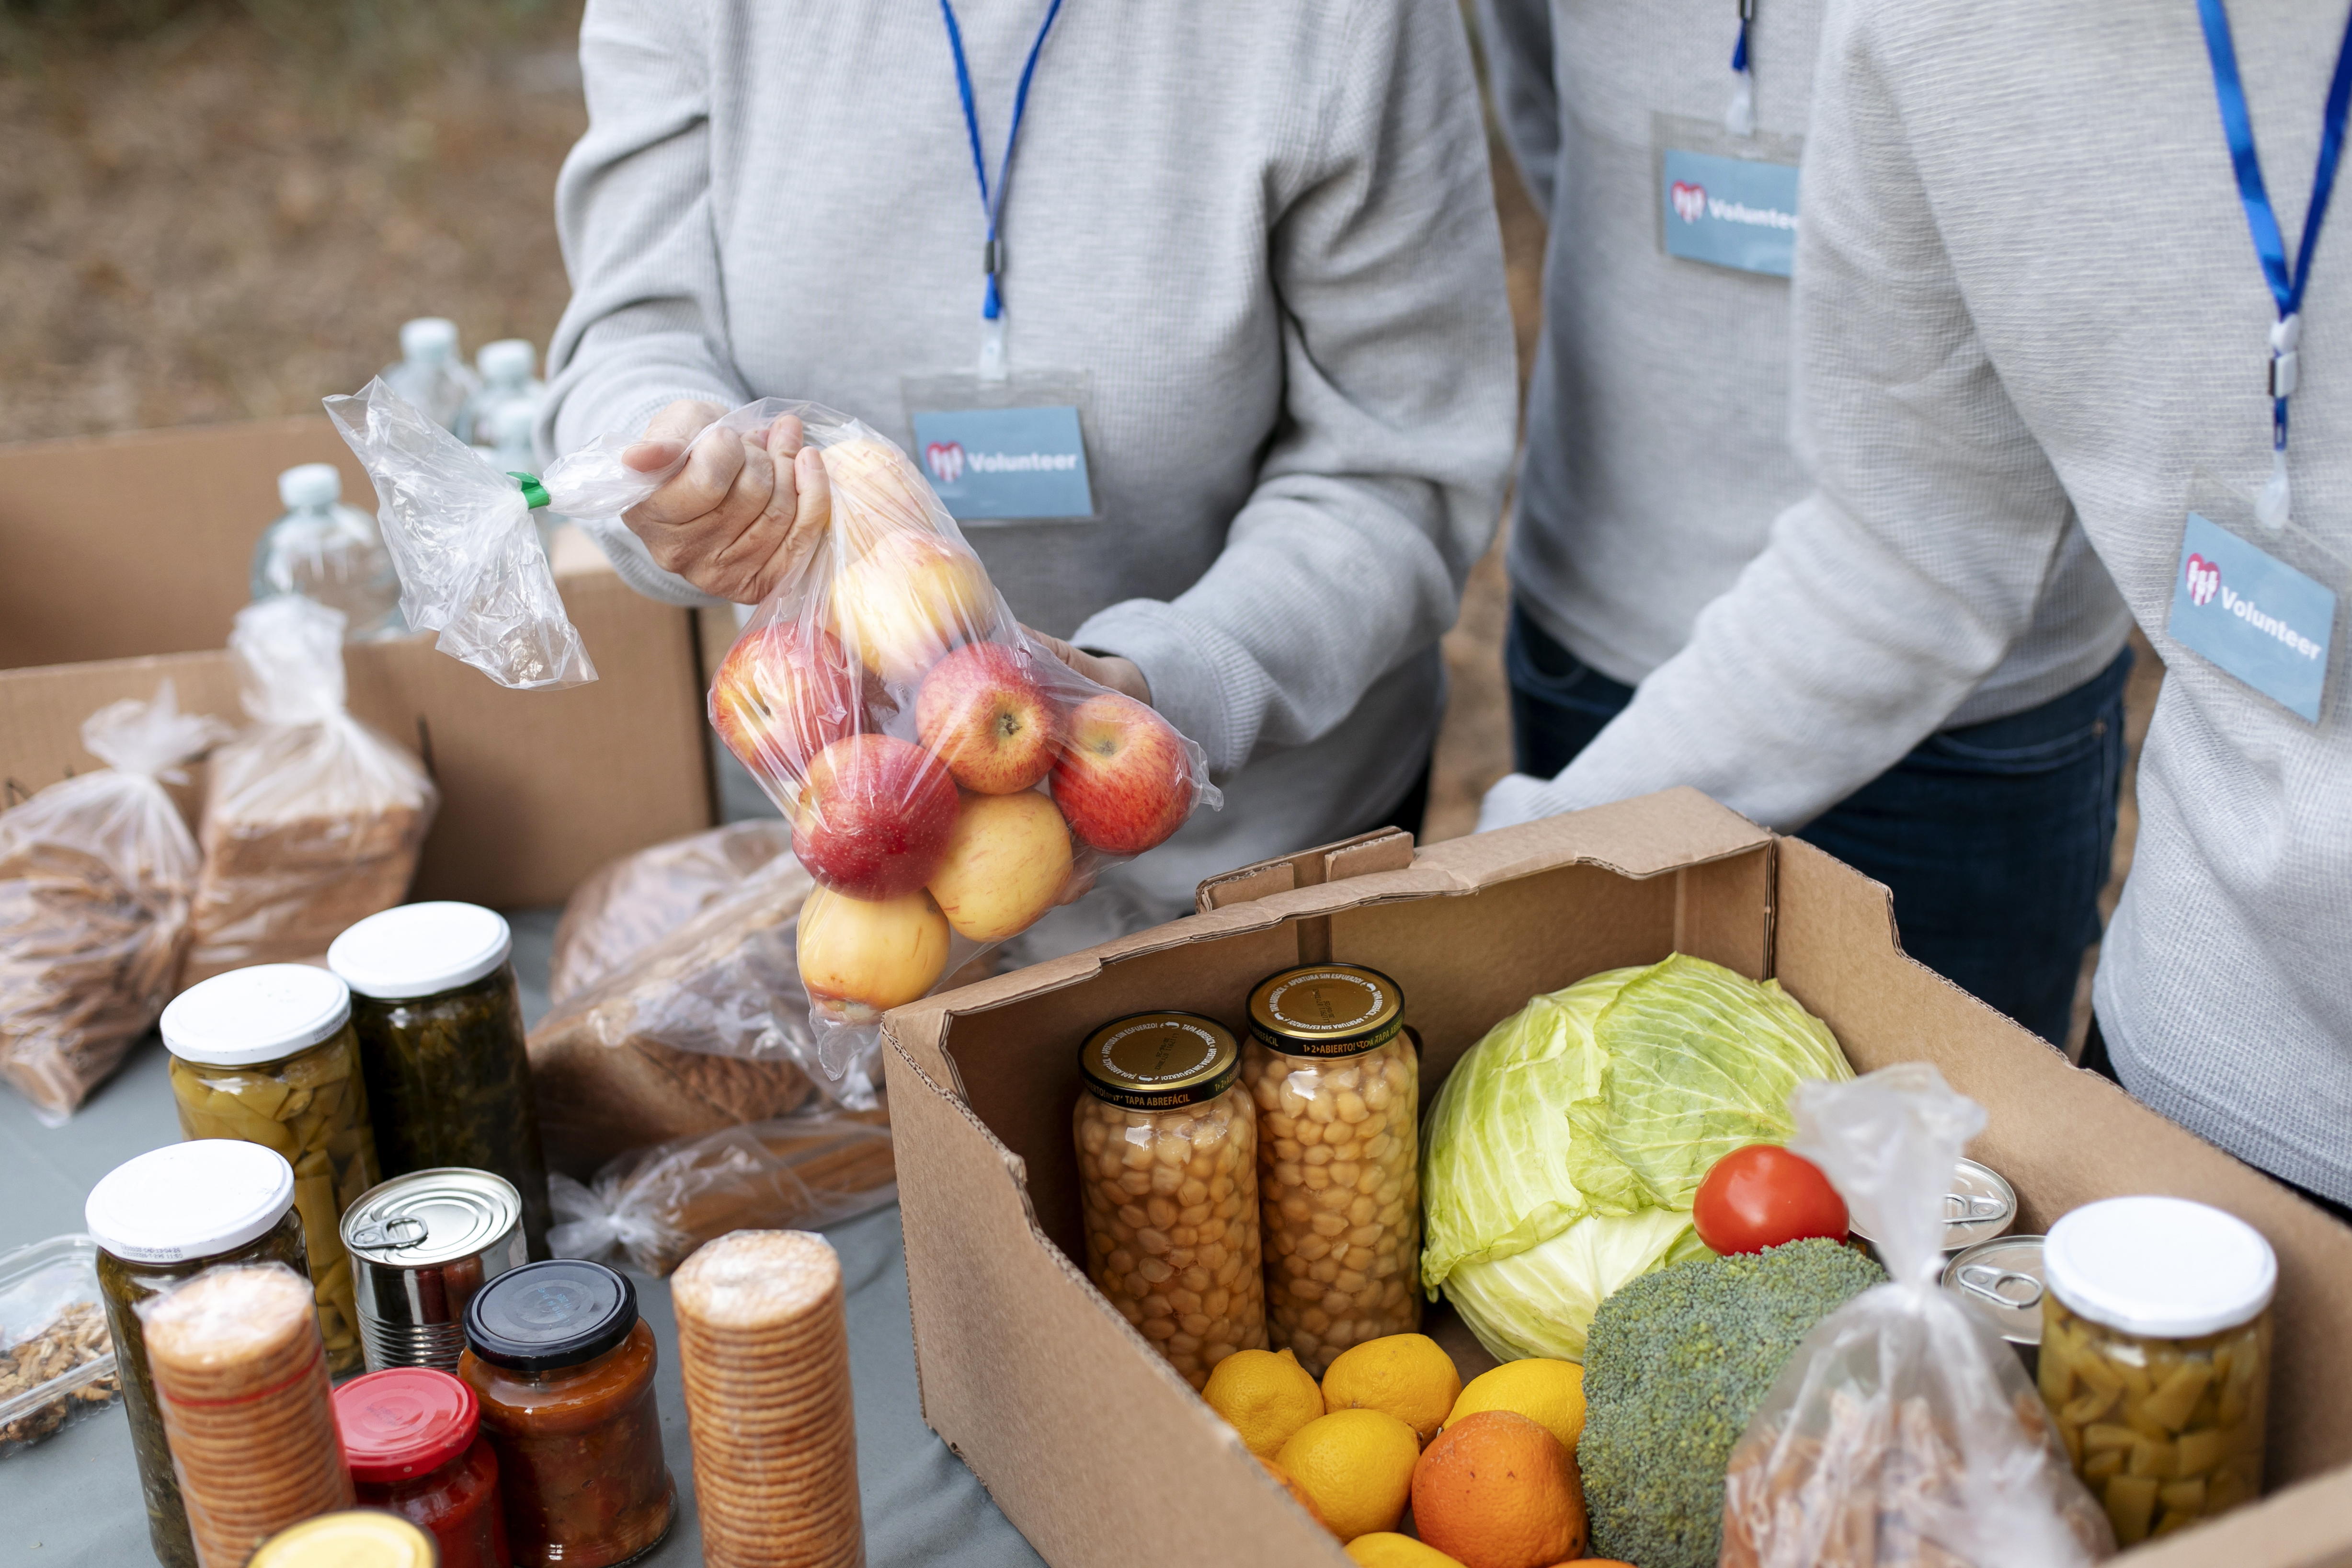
(1740, 213)
(2257, 617)
(990, 464)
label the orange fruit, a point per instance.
(1497, 1490)
(1297, 1493)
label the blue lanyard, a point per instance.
(992, 304)
(2270, 244)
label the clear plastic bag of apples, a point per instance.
(947, 778)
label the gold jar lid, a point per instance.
(1160, 1061)
(1326, 1010)
(357, 1538)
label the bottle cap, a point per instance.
(264, 1014)
(311, 484)
(197, 1199)
(1326, 1010)
(1160, 1061)
(420, 950)
(404, 1422)
(428, 340)
(557, 1313)
(508, 359)
(2165, 1268)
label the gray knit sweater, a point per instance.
(2025, 292)
(1264, 232)
(1658, 450)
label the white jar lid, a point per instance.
(196, 1199)
(259, 1014)
(420, 950)
(2166, 1267)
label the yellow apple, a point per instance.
(1008, 861)
(911, 597)
(859, 958)
(876, 490)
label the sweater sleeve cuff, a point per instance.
(1202, 680)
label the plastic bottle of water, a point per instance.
(501, 414)
(430, 373)
(331, 553)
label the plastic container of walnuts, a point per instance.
(1167, 1142)
(1336, 1082)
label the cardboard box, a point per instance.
(127, 557)
(1099, 1451)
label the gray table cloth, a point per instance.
(73, 1500)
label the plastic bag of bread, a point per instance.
(312, 821)
(632, 902)
(707, 1028)
(1904, 1431)
(653, 1206)
(96, 874)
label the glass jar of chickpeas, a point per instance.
(2155, 1357)
(1337, 1087)
(1167, 1143)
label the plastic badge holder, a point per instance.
(40, 1286)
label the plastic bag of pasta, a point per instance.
(313, 821)
(1904, 1431)
(95, 878)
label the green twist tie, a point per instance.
(532, 490)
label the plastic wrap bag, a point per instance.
(654, 1207)
(948, 779)
(631, 903)
(1903, 1431)
(462, 539)
(707, 1028)
(313, 821)
(96, 874)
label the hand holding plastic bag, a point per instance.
(95, 878)
(1903, 1431)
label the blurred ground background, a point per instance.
(223, 209)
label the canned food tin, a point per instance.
(421, 1244)
(2000, 1280)
(1980, 1205)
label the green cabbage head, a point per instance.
(1560, 1158)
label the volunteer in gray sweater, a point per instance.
(1254, 251)
(1658, 452)
(2026, 295)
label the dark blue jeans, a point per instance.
(1995, 838)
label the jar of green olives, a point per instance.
(158, 1220)
(266, 1055)
(439, 1021)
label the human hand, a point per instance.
(742, 515)
(1120, 675)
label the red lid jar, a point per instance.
(413, 1437)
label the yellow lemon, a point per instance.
(1386, 1549)
(1406, 1375)
(1548, 1393)
(1358, 1466)
(1265, 1395)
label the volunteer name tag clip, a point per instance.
(2257, 617)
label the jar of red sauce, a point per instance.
(413, 1438)
(564, 1370)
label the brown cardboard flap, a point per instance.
(1005, 1375)
(1637, 838)
(1384, 849)
(2064, 1137)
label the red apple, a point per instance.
(874, 816)
(982, 714)
(1008, 861)
(1123, 780)
(908, 599)
(784, 692)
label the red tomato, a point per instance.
(1762, 1196)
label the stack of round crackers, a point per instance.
(764, 1346)
(241, 1377)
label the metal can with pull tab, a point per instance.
(2000, 1281)
(421, 1246)
(1979, 1205)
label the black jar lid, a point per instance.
(547, 1315)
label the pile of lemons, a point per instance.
(1488, 1471)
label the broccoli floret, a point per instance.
(1677, 1363)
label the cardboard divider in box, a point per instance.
(128, 557)
(1100, 1452)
